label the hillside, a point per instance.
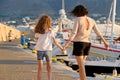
(16, 9)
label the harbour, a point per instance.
(18, 61)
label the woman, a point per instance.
(44, 35)
(83, 25)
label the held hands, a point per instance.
(63, 48)
(67, 43)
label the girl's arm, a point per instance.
(56, 42)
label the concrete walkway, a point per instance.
(20, 64)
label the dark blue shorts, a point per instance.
(44, 54)
(81, 48)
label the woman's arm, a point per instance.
(105, 42)
(74, 32)
(101, 36)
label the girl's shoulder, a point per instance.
(37, 35)
(50, 30)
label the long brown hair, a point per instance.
(43, 24)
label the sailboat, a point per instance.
(114, 48)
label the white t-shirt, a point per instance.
(79, 32)
(44, 42)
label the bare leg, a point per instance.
(82, 72)
(84, 58)
(39, 73)
(49, 70)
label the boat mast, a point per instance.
(113, 20)
(62, 16)
(63, 7)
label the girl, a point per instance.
(44, 35)
(83, 25)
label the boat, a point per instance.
(99, 67)
(106, 77)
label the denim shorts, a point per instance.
(44, 54)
